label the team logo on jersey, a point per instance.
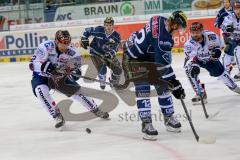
(165, 43)
(212, 37)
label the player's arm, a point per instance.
(163, 59)
(217, 50)
(219, 19)
(39, 62)
(84, 42)
(112, 47)
(75, 64)
(191, 59)
(227, 25)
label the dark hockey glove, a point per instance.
(75, 75)
(48, 67)
(84, 42)
(216, 53)
(109, 54)
(178, 91)
(229, 28)
(194, 70)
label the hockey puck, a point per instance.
(88, 130)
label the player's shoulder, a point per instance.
(116, 36)
(72, 51)
(99, 29)
(47, 46)
(222, 10)
(190, 44)
(210, 35)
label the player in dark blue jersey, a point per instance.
(152, 45)
(103, 49)
(223, 13)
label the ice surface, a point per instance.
(27, 132)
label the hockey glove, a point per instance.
(84, 42)
(109, 54)
(48, 67)
(178, 91)
(75, 75)
(229, 28)
(216, 53)
(194, 70)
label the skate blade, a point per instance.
(150, 137)
(61, 128)
(171, 129)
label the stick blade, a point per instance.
(207, 140)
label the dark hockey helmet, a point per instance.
(179, 17)
(236, 4)
(109, 20)
(196, 26)
(63, 36)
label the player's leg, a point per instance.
(71, 88)
(196, 99)
(216, 69)
(101, 69)
(166, 107)
(237, 55)
(41, 91)
(116, 70)
(228, 56)
(144, 110)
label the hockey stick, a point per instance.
(205, 140)
(201, 98)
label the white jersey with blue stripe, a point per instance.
(202, 51)
(47, 51)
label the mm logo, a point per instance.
(28, 40)
(127, 9)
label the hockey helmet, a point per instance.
(179, 17)
(109, 20)
(63, 36)
(236, 4)
(196, 26)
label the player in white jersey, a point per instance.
(203, 50)
(56, 65)
(231, 30)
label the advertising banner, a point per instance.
(19, 43)
(99, 10)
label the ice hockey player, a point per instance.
(50, 72)
(153, 44)
(203, 50)
(225, 11)
(103, 49)
(231, 28)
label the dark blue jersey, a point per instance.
(220, 17)
(102, 42)
(152, 43)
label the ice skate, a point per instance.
(172, 125)
(101, 114)
(60, 122)
(150, 133)
(237, 77)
